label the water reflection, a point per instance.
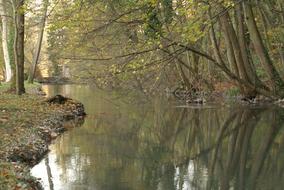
(125, 146)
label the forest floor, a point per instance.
(28, 123)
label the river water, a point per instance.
(127, 144)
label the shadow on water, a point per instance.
(125, 146)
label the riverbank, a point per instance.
(28, 124)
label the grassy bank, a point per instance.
(27, 124)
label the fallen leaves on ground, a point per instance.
(27, 123)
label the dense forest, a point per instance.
(148, 45)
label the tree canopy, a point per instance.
(150, 45)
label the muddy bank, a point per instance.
(27, 127)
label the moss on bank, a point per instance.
(27, 125)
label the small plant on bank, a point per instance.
(233, 92)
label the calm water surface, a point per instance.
(129, 145)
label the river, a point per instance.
(127, 144)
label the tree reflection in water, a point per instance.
(160, 147)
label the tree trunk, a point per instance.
(262, 53)
(240, 55)
(229, 48)
(38, 45)
(12, 56)
(3, 13)
(19, 18)
(245, 53)
(243, 45)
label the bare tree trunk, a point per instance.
(229, 47)
(261, 51)
(244, 47)
(213, 39)
(4, 14)
(39, 44)
(230, 52)
(19, 17)
(230, 32)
